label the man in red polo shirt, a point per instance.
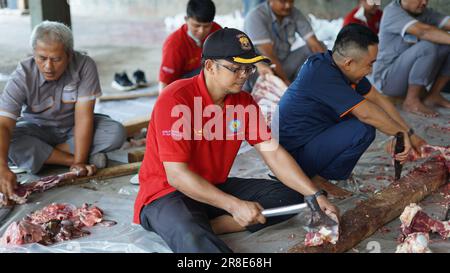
(367, 13)
(182, 50)
(194, 135)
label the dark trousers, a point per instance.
(183, 223)
(334, 153)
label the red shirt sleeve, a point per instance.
(172, 62)
(173, 130)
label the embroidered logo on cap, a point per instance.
(245, 42)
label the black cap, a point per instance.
(233, 45)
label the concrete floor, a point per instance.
(115, 45)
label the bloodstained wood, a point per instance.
(106, 173)
(333, 190)
(361, 222)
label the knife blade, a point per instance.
(399, 148)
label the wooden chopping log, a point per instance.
(136, 125)
(136, 156)
(129, 95)
(333, 190)
(117, 171)
(364, 220)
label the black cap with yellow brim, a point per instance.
(233, 45)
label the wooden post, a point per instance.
(128, 96)
(136, 125)
(52, 10)
(364, 220)
(117, 171)
(136, 156)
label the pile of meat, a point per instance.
(415, 229)
(54, 223)
(323, 234)
(429, 150)
(23, 191)
(267, 93)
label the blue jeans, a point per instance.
(334, 153)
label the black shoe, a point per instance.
(139, 78)
(122, 82)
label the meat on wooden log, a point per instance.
(117, 171)
(24, 191)
(361, 222)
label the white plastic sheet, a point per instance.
(116, 197)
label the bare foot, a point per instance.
(419, 108)
(437, 100)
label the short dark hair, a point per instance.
(202, 11)
(355, 36)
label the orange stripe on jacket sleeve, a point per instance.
(351, 109)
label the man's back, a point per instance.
(319, 98)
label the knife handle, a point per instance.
(399, 147)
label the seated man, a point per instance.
(58, 87)
(182, 50)
(414, 53)
(367, 13)
(275, 28)
(328, 116)
(185, 194)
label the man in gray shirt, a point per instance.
(414, 53)
(51, 96)
(274, 27)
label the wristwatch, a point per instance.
(320, 192)
(311, 200)
(410, 132)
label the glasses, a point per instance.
(247, 70)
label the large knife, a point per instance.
(399, 148)
(294, 209)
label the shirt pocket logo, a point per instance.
(70, 93)
(43, 105)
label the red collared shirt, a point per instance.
(181, 55)
(208, 156)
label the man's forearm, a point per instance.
(436, 35)
(288, 171)
(390, 109)
(197, 188)
(278, 69)
(84, 131)
(268, 51)
(315, 45)
(379, 119)
(5, 137)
